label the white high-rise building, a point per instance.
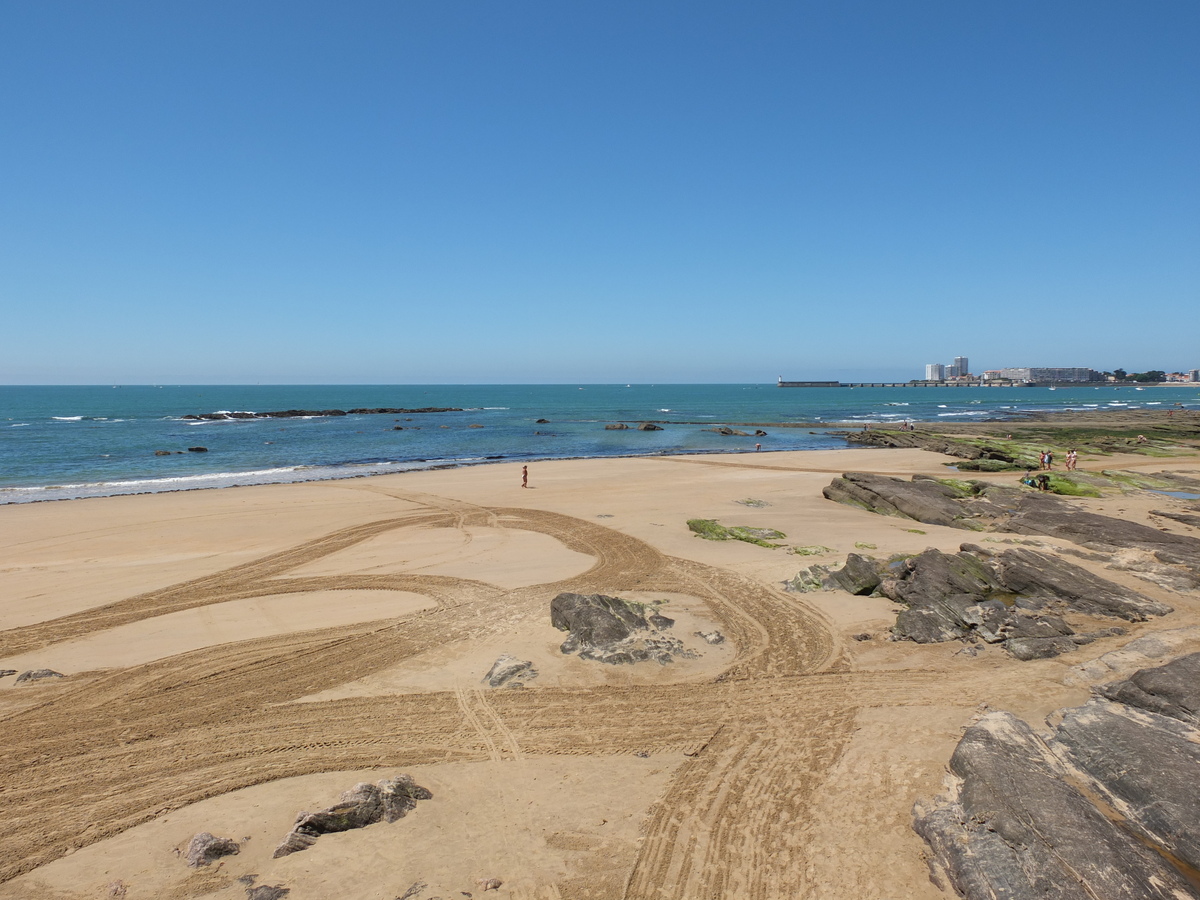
(935, 372)
(961, 366)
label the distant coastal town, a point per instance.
(958, 374)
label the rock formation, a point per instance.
(309, 413)
(615, 631)
(1105, 808)
(1016, 597)
(365, 804)
(37, 675)
(508, 670)
(204, 848)
(978, 506)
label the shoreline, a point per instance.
(1120, 420)
(231, 657)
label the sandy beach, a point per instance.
(232, 657)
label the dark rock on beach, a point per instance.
(204, 848)
(936, 443)
(611, 630)
(1171, 690)
(616, 426)
(1106, 807)
(267, 892)
(1016, 597)
(365, 804)
(37, 675)
(508, 670)
(979, 506)
(649, 426)
(4, 673)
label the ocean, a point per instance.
(59, 442)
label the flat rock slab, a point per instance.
(1171, 690)
(979, 506)
(1097, 811)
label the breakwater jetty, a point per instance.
(853, 384)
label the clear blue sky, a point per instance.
(521, 191)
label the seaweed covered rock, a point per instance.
(1106, 807)
(712, 530)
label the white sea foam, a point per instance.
(977, 412)
(67, 418)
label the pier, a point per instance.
(854, 384)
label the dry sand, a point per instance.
(236, 656)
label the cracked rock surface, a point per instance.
(1105, 807)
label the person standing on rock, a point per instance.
(524, 476)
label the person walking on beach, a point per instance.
(1049, 460)
(1072, 459)
(524, 476)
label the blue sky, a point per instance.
(473, 192)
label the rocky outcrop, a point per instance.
(1171, 690)
(1106, 807)
(649, 426)
(978, 506)
(510, 671)
(365, 804)
(310, 413)
(37, 675)
(614, 631)
(616, 426)
(1016, 597)
(726, 430)
(935, 443)
(205, 848)
(4, 673)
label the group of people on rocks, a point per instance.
(1046, 460)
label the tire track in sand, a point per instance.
(125, 746)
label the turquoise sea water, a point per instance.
(65, 442)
